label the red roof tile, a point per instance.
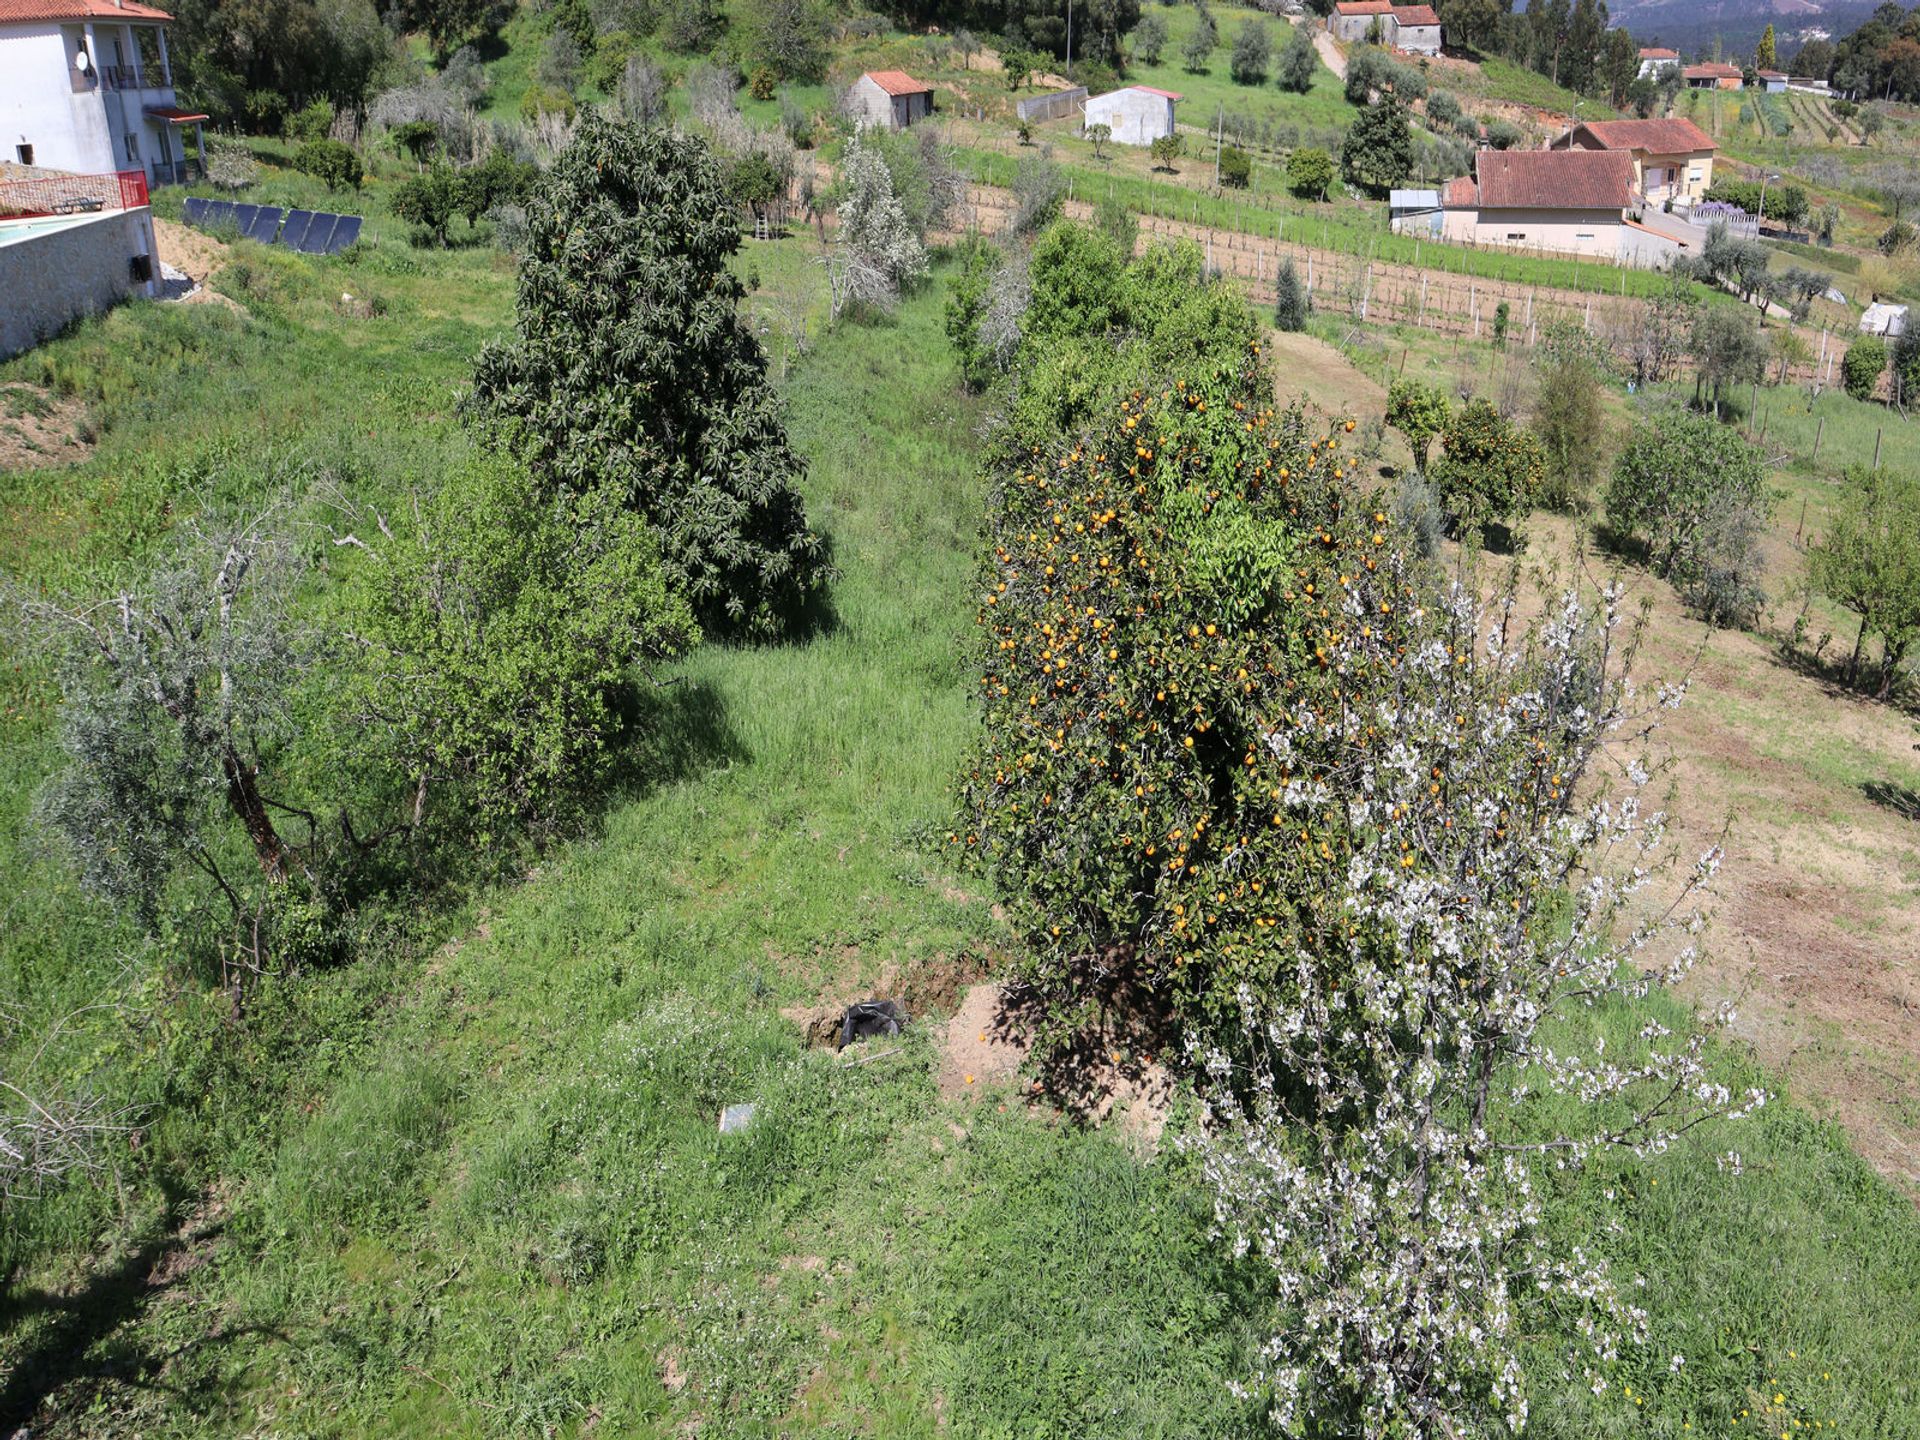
(1416, 15)
(1459, 193)
(1656, 137)
(894, 82)
(1163, 94)
(18, 11)
(1364, 7)
(1555, 179)
(1658, 54)
(1712, 69)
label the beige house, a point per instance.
(1672, 159)
(1714, 75)
(1570, 202)
(890, 99)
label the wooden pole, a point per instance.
(1818, 430)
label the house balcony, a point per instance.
(177, 172)
(132, 77)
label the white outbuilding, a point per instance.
(1137, 115)
(890, 99)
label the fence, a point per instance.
(1057, 106)
(72, 194)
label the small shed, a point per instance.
(1414, 211)
(1137, 115)
(1774, 82)
(891, 99)
(1881, 318)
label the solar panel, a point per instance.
(344, 234)
(295, 230)
(195, 210)
(244, 216)
(314, 242)
(208, 213)
(264, 225)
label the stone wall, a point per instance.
(51, 278)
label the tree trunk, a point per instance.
(1859, 644)
(243, 795)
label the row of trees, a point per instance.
(1244, 762)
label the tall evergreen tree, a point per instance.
(630, 368)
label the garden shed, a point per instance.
(1137, 115)
(891, 99)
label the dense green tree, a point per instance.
(753, 182)
(1489, 470)
(1377, 153)
(497, 629)
(447, 23)
(1149, 39)
(1252, 52)
(1309, 172)
(1291, 304)
(1869, 562)
(1298, 61)
(1764, 57)
(1236, 168)
(1676, 485)
(1727, 352)
(1420, 412)
(226, 51)
(1571, 425)
(629, 368)
(788, 38)
(430, 200)
(333, 161)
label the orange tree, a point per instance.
(1157, 594)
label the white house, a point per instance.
(1137, 115)
(1884, 318)
(1653, 60)
(86, 86)
(890, 99)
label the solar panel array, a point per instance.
(308, 231)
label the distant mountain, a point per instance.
(1692, 26)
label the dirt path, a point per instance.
(1331, 54)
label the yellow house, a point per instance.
(1672, 159)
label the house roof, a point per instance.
(17, 11)
(1712, 69)
(1656, 53)
(1151, 90)
(1547, 180)
(1656, 137)
(1416, 15)
(1459, 193)
(894, 82)
(1364, 7)
(174, 115)
(1774, 74)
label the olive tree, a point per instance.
(1869, 562)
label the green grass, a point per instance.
(1318, 117)
(476, 1189)
(1502, 79)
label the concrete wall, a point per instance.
(1418, 39)
(53, 277)
(1137, 117)
(39, 106)
(1561, 232)
(1358, 27)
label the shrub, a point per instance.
(332, 161)
(1869, 562)
(431, 200)
(311, 123)
(1166, 149)
(1236, 170)
(1118, 223)
(1200, 41)
(1309, 172)
(1149, 39)
(1490, 471)
(1683, 484)
(1298, 62)
(629, 369)
(417, 138)
(762, 83)
(1571, 426)
(1861, 366)
(1039, 190)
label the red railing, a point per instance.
(72, 194)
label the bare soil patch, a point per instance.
(38, 429)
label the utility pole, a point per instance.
(1219, 120)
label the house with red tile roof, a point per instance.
(890, 99)
(1672, 159)
(87, 86)
(1714, 75)
(1570, 202)
(1413, 28)
(1654, 59)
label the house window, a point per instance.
(133, 149)
(25, 152)
(1693, 176)
(1516, 234)
(1583, 235)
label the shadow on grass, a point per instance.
(1900, 799)
(80, 1340)
(674, 731)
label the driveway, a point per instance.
(1323, 42)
